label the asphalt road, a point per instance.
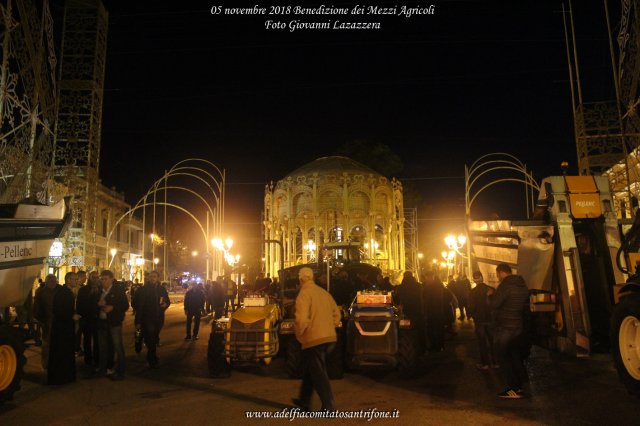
(448, 390)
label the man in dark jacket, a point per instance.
(437, 306)
(193, 307)
(113, 304)
(508, 303)
(87, 308)
(217, 298)
(409, 295)
(481, 313)
(152, 301)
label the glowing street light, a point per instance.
(455, 243)
(156, 261)
(217, 243)
(113, 255)
(194, 253)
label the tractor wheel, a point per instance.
(218, 366)
(12, 362)
(293, 361)
(407, 354)
(625, 341)
(335, 366)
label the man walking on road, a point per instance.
(193, 307)
(508, 303)
(152, 300)
(316, 317)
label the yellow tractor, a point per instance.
(248, 336)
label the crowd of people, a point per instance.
(499, 317)
(84, 318)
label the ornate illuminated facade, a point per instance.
(334, 199)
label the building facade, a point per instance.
(334, 199)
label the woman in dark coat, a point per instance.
(62, 361)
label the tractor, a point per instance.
(248, 336)
(373, 331)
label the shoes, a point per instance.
(110, 372)
(304, 406)
(195, 337)
(511, 394)
(117, 377)
(482, 367)
(187, 338)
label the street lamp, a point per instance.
(449, 257)
(194, 253)
(113, 255)
(456, 243)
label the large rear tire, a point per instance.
(407, 354)
(625, 341)
(12, 362)
(293, 361)
(218, 366)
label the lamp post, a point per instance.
(113, 255)
(455, 244)
(448, 258)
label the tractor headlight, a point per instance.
(287, 326)
(222, 325)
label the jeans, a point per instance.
(195, 317)
(151, 335)
(484, 333)
(507, 348)
(314, 362)
(110, 344)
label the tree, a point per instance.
(376, 155)
(383, 160)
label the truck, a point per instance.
(27, 231)
(575, 256)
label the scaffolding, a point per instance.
(607, 132)
(77, 144)
(27, 102)
(412, 263)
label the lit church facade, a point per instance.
(334, 199)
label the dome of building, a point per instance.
(334, 199)
(332, 165)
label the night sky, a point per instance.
(440, 90)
